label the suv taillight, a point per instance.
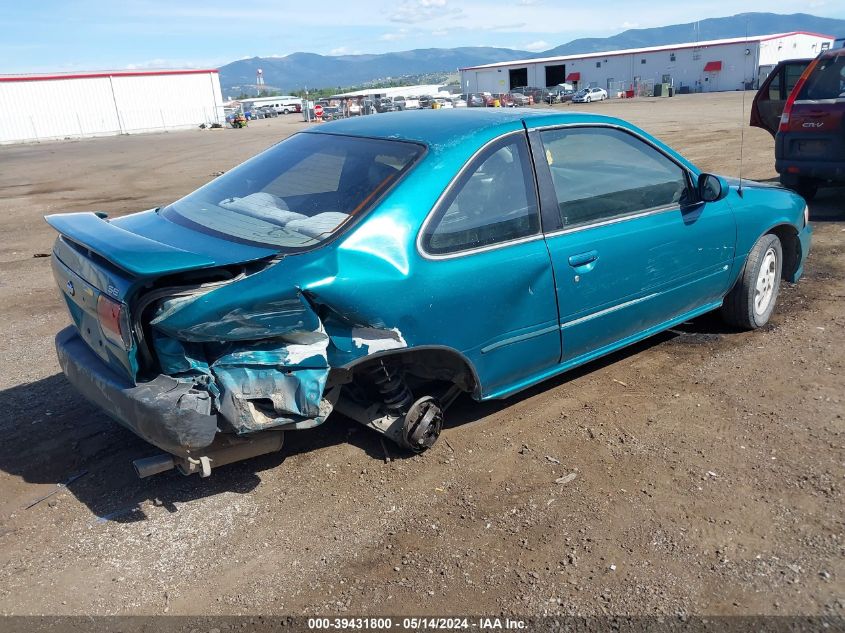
(790, 101)
(114, 321)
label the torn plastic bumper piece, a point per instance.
(167, 413)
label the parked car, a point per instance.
(586, 95)
(254, 114)
(475, 100)
(288, 105)
(535, 95)
(517, 99)
(426, 101)
(409, 103)
(385, 104)
(802, 104)
(559, 95)
(458, 101)
(357, 266)
(268, 111)
(441, 102)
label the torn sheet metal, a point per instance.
(351, 342)
(372, 340)
(263, 387)
(268, 366)
(176, 318)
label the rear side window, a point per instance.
(494, 201)
(603, 173)
(827, 81)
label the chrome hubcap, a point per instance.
(765, 287)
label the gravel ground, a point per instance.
(699, 472)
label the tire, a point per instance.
(752, 300)
(587, 100)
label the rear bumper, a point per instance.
(822, 170)
(164, 412)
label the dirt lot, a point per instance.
(709, 464)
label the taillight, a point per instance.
(790, 101)
(114, 321)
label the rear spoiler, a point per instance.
(133, 253)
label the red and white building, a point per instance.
(74, 105)
(707, 66)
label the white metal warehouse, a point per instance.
(706, 66)
(42, 107)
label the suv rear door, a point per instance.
(771, 97)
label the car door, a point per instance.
(771, 98)
(487, 282)
(631, 247)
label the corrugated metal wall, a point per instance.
(102, 105)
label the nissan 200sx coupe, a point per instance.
(383, 265)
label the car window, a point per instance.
(605, 173)
(793, 72)
(493, 202)
(299, 192)
(774, 87)
(827, 81)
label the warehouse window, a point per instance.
(642, 61)
(671, 57)
(598, 64)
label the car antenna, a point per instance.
(742, 126)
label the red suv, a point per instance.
(810, 130)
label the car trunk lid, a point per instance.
(99, 265)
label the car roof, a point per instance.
(444, 128)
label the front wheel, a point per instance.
(752, 300)
(587, 100)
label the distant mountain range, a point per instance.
(298, 70)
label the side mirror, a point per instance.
(711, 188)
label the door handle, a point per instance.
(582, 259)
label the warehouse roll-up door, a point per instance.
(518, 77)
(555, 75)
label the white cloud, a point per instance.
(401, 34)
(342, 50)
(629, 25)
(440, 33)
(539, 45)
(161, 63)
(415, 11)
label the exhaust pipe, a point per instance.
(149, 466)
(225, 449)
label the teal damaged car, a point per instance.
(381, 266)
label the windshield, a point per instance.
(826, 81)
(299, 192)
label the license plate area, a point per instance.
(811, 148)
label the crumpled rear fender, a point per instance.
(262, 349)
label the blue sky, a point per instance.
(56, 35)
